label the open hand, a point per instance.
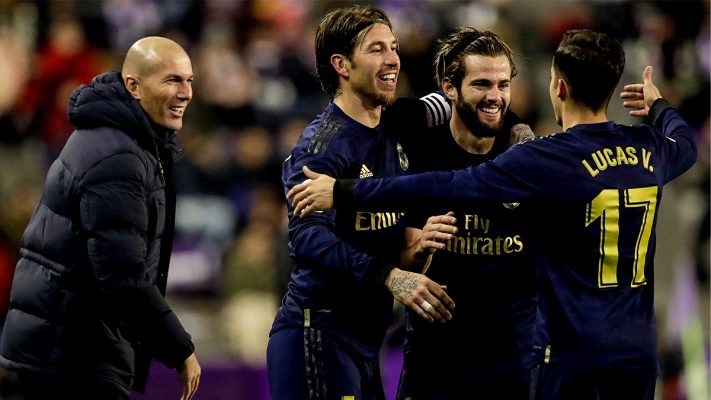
(189, 374)
(313, 194)
(641, 96)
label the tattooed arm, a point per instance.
(413, 289)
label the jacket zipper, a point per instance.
(161, 172)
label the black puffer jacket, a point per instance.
(87, 297)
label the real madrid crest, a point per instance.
(404, 162)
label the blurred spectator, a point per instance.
(228, 81)
(13, 74)
(250, 280)
(65, 62)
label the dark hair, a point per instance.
(591, 64)
(338, 33)
(463, 42)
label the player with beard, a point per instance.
(485, 350)
(326, 337)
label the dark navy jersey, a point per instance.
(597, 189)
(335, 252)
(488, 270)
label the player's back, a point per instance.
(596, 243)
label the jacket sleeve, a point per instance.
(115, 218)
(313, 239)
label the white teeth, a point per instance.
(388, 77)
(176, 109)
(490, 110)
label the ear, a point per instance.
(131, 83)
(562, 89)
(341, 65)
(450, 91)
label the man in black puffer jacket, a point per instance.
(87, 309)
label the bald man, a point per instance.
(87, 309)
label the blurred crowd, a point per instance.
(254, 92)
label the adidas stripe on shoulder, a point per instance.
(439, 112)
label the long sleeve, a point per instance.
(500, 180)
(678, 137)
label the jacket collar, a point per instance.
(105, 102)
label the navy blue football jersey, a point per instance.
(488, 269)
(596, 189)
(335, 252)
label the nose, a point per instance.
(493, 93)
(392, 59)
(185, 91)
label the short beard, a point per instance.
(473, 123)
(385, 101)
(379, 100)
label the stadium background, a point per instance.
(255, 91)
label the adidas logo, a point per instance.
(365, 172)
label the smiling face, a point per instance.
(166, 92)
(374, 67)
(158, 73)
(485, 94)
